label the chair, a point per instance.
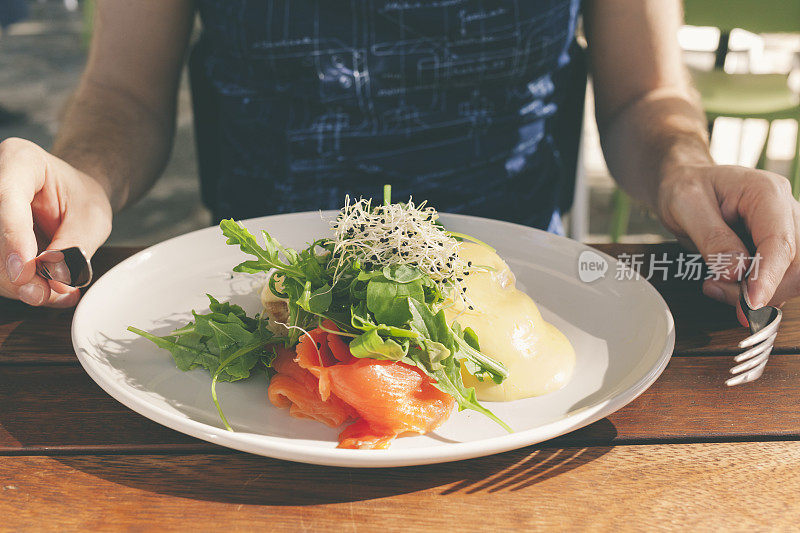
(759, 96)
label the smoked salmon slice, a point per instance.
(391, 398)
(296, 388)
(322, 381)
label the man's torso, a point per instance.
(453, 101)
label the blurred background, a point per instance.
(42, 56)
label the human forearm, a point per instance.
(654, 137)
(648, 114)
(647, 139)
(657, 150)
(116, 139)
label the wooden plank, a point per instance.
(41, 335)
(58, 409)
(722, 486)
(706, 327)
(703, 326)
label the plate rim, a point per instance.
(275, 447)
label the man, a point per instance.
(462, 102)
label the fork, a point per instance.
(763, 325)
(68, 266)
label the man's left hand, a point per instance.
(701, 203)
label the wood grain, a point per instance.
(703, 326)
(72, 456)
(58, 409)
(741, 486)
(40, 335)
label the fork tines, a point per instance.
(764, 324)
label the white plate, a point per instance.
(622, 332)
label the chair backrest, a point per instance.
(757, 16)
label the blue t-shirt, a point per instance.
(472, 105)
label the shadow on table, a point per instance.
(247, 479)
(231, 477)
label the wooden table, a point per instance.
(687, 452)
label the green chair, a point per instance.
(759, 96)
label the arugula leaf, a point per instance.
(317, 301)
(431, 326)
(187, 356)
(471, 338)
(267, 257)
(226, 342)
(479, 364)
(449, 380)
(401, 273)
(383, 297)
(371, 344)
(211, 338)
(360, 320)
(430, 354)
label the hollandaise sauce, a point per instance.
(539, 358)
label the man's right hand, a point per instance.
(45, 203)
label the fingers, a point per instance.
(32, 294)
(87, 228)
(68, 299)
(42, 195)
(702, 202)
(87, 223)
(698, 213)
(722, 291)
(790, 284)
(768, 210)
(17, 240)
(20, 178)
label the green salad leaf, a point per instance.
(372, 345)
(388, 311)
(213, 337)
(387, 299)
(226, 342)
